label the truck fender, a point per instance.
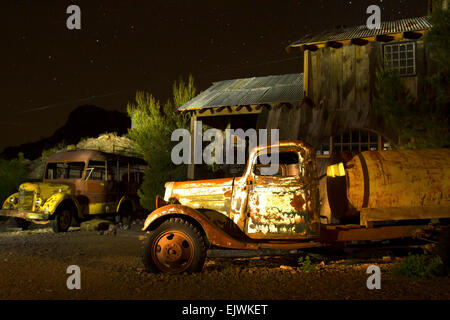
(56, 199)
(7, 204)
(213, 233)
(122, 200)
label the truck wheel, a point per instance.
(62, 221)
(23, 224)
(175, 246)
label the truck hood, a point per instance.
(45, 189)
(214, 194)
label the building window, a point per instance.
(356, 140)
(401, 57)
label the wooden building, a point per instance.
(331, 104)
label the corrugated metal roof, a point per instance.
(387, 27)
(247, 91)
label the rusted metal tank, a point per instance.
(388, 179)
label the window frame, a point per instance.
(399, 68)
(382, 143)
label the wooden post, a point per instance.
(191, 165)
(306, 72)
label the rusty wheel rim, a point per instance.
(65, 219)
(173, 251)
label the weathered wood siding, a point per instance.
(342, 87)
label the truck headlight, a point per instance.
(13, 200)
(38, 201)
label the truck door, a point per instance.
(278, 202)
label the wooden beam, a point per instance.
(334, 44)
(384, 38)
(412, 35)
(360, 41)
(310, 47)
(306, 72)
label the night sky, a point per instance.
(124, 46)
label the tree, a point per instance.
(12, 174)
(152, 127)
(423, 123)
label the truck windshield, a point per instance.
(64, 170)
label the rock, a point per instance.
(283, 267)
(112, 230)
(95, 225)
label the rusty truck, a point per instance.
(78, 185)
(364, 197)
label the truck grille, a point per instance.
(26, 199)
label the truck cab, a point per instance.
(278, 204)
(77, 185)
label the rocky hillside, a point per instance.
(84, 121)
(108, 142)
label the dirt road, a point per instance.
(33, 266)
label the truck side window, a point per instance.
(288, 165)
(95, 170)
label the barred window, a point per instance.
(401, 57)
(356, 140)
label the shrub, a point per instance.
(305, 264)
(12, 174)
(152, 127)
(420, 265)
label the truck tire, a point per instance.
(176, 246)
(62, 221)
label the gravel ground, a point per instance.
(33, 266)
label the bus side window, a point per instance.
(98, 170)
(112, 170)
(123, 171)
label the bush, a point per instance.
(152, 127)
(420, 265)
(305, 264)
(12, 174)
(423, 123)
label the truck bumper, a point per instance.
(31, 216)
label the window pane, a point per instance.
(96, 170)
(75, 170)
